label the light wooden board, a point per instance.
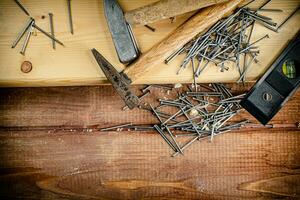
(74, 63)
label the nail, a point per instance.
(47, 34)
(193, 124)
(186, 145)
(174, 140)
(256, 17)
(165, 138)
(22, 7)
(28, 24)
(243, 50)
(52, 29)
(289, 17)
(70, 16)
(157, 115)
(173, 116)
(30, 29)
(174, 54)
(264, 4)
(245, 70)
(150, 28)
(146, 88)
(269, 10)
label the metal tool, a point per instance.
(276, 86)
(118, 81)
(70, 16)
(121, 33)
(139, 97)
(123, 38)
(52, 29)
(156, 55)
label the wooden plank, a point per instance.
(97, 107)
(74, 64)
(97, 165)
(52, 149)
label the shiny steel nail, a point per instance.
(22, 7)
(47, 34)
(165, 138)
(30, 29)
(28, 24)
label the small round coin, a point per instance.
(26, 67)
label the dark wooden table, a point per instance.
(51, 148)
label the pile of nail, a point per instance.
(204, 113)
(226, 42)
(201, 112)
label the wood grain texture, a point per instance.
(96, 165)
(284, 185)
(75, 65)
(97, 107)
(179, 37)
(165, 9)
(51, 149)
